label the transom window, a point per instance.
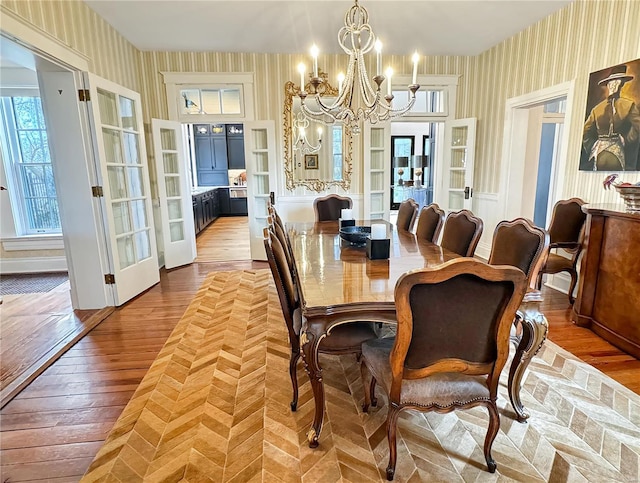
(27, 161)
(212, 100)
(427, 101)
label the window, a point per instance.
(427, 101)
(223, 100)
(28, 166)
(207, 97)
(337, 153)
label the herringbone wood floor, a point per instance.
(53, 429)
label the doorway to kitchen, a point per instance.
(219, 182)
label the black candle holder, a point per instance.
(378, 249)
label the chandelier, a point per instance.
(301, 143)
(356, 38)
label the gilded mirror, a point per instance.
(305, 164)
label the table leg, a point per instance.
(534, 333)
(310, 343)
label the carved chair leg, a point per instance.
(293, 364)
(392, 426)
(492, 431)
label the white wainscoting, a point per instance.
(300, 208)
(33, 265)
(560, 282)
(486, 206)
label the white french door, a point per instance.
(174, 190)
(260, 159)
(123, 174)
(377, 177)
(456, 178)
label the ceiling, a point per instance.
(433, 27)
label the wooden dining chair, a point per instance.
(462, 232)
(343, 339)
(277, 225)
(521, 244)
(407, 214)
(566, 231)
(430, 223)
(329, 208)
(446, 355)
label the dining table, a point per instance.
(339, 284)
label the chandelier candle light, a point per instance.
(356, 38)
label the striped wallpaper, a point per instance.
(585, 36)
(79, 27)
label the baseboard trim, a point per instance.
(33, 265)
(559, 282)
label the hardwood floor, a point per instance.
(225, 239)
(52, 430)
(586, 345)
(36, 329)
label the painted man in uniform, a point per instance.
(611, 136)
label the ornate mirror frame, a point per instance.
(290, 92)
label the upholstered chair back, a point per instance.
(407, 214)
(330, 207)
(443, 328)
(283, 279)
(520, 244)
(462, 232)
(430, 223)
(567, 221)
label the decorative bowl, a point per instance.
(356, 235)
(631, 197)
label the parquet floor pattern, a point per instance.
(214, 406)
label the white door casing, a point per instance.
(124, 176)
(174, 191)
(455, 180)
(516, 125)
(377, 176)
(260, 162)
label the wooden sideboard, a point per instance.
(608, 299)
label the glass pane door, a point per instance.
(458, 173)
(125, 178)
(260, 160)
(174, 189)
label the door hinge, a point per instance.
(97, 191)
(84, 95)
(109, 278)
